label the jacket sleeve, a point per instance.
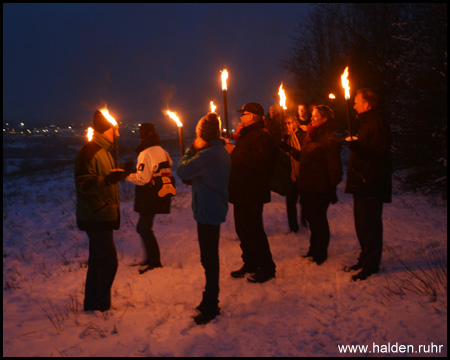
(144, 172)
(191, 165)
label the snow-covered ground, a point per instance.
(308, 310)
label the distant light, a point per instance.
(332, 96)
(22, 124)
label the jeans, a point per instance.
(144, 228)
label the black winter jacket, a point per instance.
(369, 171)
(252, 163)
(320, 163)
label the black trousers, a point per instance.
(291, 207)
(248, 221)
(368, 213)
(102, 268)
(144, 228)
(208, 238)
(315, 207)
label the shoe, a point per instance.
(308, 255)
(146, 268)
(206, 316)
(242, 271)
(352, 267)
(260, 277)
(318, 261)
(364, 274)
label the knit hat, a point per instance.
(101, 124)
(146, 129)
(208, 127)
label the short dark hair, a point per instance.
(369, 96)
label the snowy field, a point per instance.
(308, 310)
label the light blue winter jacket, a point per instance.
(209, 169)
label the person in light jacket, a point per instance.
(153, 161)
(207, 165)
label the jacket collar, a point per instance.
(255, 126)
(102, 141)
(366, 115)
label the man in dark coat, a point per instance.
(369, 179)
(252, 162)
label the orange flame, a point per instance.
(345, 83)
(213, 107)
(90, 133)
(224, 79)
(108, 117)
(332, 96)
(282, 97)
(174, 117)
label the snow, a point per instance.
(308, 310)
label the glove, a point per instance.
(129, 167)
(115, 176)
(285, 147)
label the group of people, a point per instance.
(221, 173)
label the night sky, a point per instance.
(63, 61)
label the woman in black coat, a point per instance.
(320, 172)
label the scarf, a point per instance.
(292, 140)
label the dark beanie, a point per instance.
(208, 127)
(101, 124)
(146, 129)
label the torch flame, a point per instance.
(282, 97)
(175, 117)
(90, 133)
(332, 96)
(213, 107)
(108, 117)
(224, 79)
(345, 83)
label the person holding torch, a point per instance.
(207, 165)
(369, 180)
(98, 210)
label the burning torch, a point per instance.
(346, 86)
(180, 129)
(282, 96)
(225, 105)
(212, 106)
(113, 121)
